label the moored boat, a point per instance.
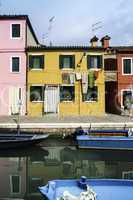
(20, 140)
(105, 139)
(88, 189)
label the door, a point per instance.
(51, 99)
(14, 98)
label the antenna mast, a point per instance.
(50, 26)
(96, 26)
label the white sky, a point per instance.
(74, 19)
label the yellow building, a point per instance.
(66, 81)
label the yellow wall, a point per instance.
(51, 74)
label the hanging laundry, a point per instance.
(72, 78)
(66, 78)
(84, 83)
(78, 76)
(91, 79)
(84, 78)
(96, 73)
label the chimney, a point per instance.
(93, 41)
(105, 41)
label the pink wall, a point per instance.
(6, 43)
(8, 48)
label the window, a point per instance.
(15, 30)
(15, 183)
(127, 175)
(67, 93)
(15, 66)
(127, 66)
(126, 98)
(67, 61)
(36, 62)
(92, 94)
(36, 93)
(94, 62)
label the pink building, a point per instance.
(15, 35)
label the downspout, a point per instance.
(26, 98)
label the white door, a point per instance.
(14, 97)
(51, 99)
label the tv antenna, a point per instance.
(96, 26)
(50, 26)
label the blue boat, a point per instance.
(105, 139)
(88, 189)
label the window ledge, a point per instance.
(90, 101)
(36, 101)
(16, 38)
(36, 69)
(127, 74)
(67, 69)
(95, 69)
(15, 72)
(66, 101)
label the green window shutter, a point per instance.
(42, 61)
(72, 61)
(100, 61)
(60, 61)
(88, 62)
(30, 62)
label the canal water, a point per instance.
(23, 170)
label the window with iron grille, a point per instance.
(92, 94)
(36, 93)
(67, 93)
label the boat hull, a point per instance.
(91, 142)
(19, 141)
(104, 189)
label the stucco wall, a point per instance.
(6, 42)
(11, 47)
(51, 74)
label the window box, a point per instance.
(15, 31)
(92, 95)
(15, 64)
(67, 93)
(94, 62)
(67, 61)
(36, 93)
(36, 62)
(127, 68)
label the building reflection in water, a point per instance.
(22, 172)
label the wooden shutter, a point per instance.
(42, 61)
(89, 62)
(30, 62)
(72, 61)
(100, 61)
(60, 61)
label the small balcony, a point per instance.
(110, 67)
(110, 76)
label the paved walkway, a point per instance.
(52, 121)
(107, 118)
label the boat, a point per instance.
(20, 140)
(105, 139)
(88, 189)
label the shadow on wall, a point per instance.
(111, 102)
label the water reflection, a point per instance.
(22, 171)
